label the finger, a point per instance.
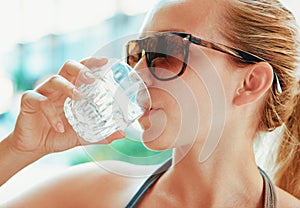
(76, 72)
(33, 102)
(52, 116)
(30, 101)
(115, 136)
(58, 86)
(92, 63)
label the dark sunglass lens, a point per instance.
(165, 55)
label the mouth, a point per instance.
(147, 112)
(153, 117)
(153, 108)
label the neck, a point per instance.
(228, 178)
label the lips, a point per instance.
(153, 122)
(148, 111)
(153, 109)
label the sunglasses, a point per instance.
(166, 54)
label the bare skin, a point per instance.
(229, 178)
(41, 127)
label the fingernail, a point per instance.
(89, 75)
(77, 94)
(60, 127)
(104, 61)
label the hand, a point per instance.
(41, 126)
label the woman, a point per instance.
(249, 48)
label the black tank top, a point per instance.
(269, 189)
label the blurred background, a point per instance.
(36, 38)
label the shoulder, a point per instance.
(96, 184)
(286, 200)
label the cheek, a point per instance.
(198, 113)
(210, 77)
(206, 81)
(178, 121)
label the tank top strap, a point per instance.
(270, 199)
(148, 183)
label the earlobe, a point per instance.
(257, 81)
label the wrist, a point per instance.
(13, 160)
(15, 149)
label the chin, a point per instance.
(159, 130)
(144, 122)
(157, 145)
(157, 140)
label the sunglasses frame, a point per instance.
(187, 39)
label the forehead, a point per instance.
(199, 17)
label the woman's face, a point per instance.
(187, 109)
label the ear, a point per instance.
(256, 82)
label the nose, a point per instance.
(142, 69)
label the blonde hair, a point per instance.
(267, 29)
